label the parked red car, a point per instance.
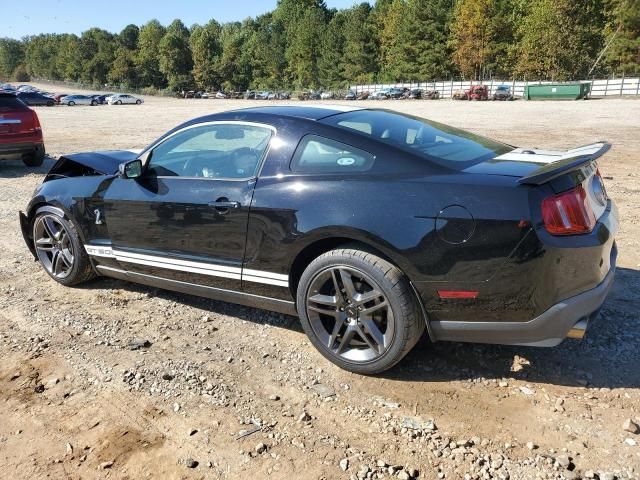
(20, 131)
(478, 92)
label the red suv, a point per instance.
(20, 131)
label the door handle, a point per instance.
(223, 204)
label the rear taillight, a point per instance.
(568, 213)
(36, 121)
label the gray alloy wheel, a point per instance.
(72, 103)
(119, 102)
(358, 310)
(53, 246)
(59, 249)
(350, 314)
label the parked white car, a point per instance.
(72, 100)
(380, 95)
(123, 99)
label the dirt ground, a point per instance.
(231, 392)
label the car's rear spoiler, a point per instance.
(573, 160)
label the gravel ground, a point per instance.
(114, 380)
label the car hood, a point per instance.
(105, 162)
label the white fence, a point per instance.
(599, 88)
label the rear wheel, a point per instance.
(138, 102)
(93, 103)
(35, 158)
(59, 248)
(359, 310)
(119, 102)
(71, 103)
(50, 103)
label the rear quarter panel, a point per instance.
(395, 215)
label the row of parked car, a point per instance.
(475, 92)
(35, 97)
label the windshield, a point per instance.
(434, 141)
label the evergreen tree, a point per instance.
(304, 48)
(623, 31)
(11, 56)
(148, 57)
(175, 56)
(68, 61)
(123, 70)
(206, 49)
(128, 37)
(423, 53)
(330, 73)
(390, 16)
(359, 62)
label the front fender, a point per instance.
(68, 197)
(37, 204)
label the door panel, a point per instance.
(186, 217)
(170, 226)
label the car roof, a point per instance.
(309, 112)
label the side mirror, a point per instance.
(132, 169)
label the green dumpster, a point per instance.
(557, 91)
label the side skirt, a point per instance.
(231, 296)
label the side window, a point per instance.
(221, 150)
(322, 155)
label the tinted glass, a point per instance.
(434, 141)
(10, 102)
(322, 155)
(212, 151)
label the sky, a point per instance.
(75, 16)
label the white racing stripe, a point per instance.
(202, 268)
(548, 156)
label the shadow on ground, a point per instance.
(608, 356)
(15, 168)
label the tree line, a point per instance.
(304, 44)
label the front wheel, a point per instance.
(119, 102)
(359, 310)
(71, 104)
(138, 102)
(59, 249)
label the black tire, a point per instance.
(119, 102)
(138, 102)
(93, 103)
(51, 103)
(79, 268)
(396, 296)
(71, 103)
(35, 158)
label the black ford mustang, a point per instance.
(370, 225)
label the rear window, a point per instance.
(11, 102)
(434, 141)
(322, 155)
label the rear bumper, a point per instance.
(22, 148)
(567, 318)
